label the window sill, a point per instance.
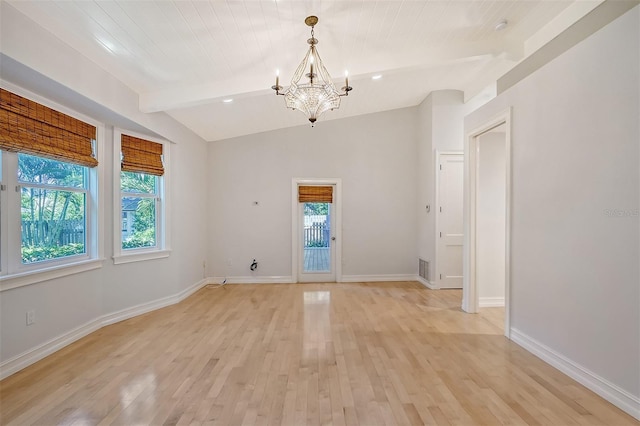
(7, 282)
(140, 256)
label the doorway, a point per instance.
(316, 248)
(486, 281)
(490, 217)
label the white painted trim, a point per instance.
(34, 355)
(377, 278)
(491, 302)
(470, 297)
(619, 397)
(429, 284)
(138, 256)
(143, 308)
(101, 196)
(345, 278)
(337, 196)
(275, 279)
(8, 282)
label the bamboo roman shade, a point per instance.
(141, 156)
(31, 128)
(315, 194)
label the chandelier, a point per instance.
(312, 92)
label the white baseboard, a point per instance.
(143, 308)
(427, 284)
(34, 355)
(276, 279)
(619, 397)
(376, 278)
(288, 279)
(491, 302)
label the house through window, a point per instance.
(139, 200)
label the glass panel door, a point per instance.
(317, 232)
(316, 257)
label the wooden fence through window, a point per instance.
(35, 233)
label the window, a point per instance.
(53, 207)
(139, 196)
(49, 196)
(141, 190)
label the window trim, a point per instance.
(94, 231)
(7, 282)
(162, 249)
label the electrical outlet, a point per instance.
(31, 317)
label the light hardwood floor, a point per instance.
(367, 354)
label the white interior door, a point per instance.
(450, 224)
(316, 242)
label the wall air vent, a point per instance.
(423, 269)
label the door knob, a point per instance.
(333, 238)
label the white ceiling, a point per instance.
(186, 57)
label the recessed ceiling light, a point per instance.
(501, 25)
(376, 77)
(228, 101)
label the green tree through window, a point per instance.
(53, 200)
(139, 194)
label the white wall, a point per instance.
(37, 61)
(374, 155)
(426, 219)
(440, 116)
(491, 219)
(440, 128)
(575, 159)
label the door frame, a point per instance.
(470, 297)
(295, 223)
(437, 197)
